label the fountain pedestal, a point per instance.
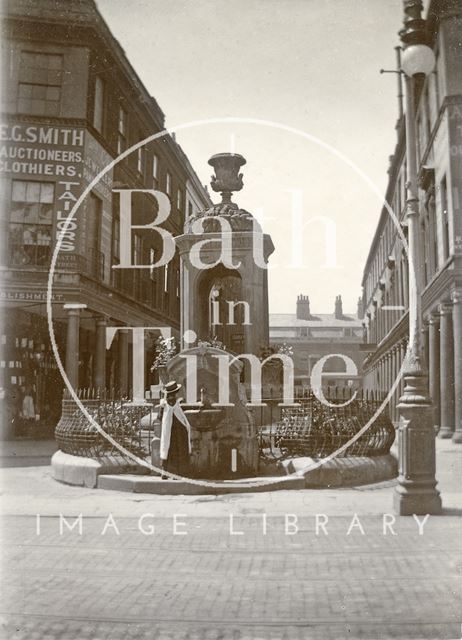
(224, 439)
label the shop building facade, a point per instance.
(71, 104)
(438, 119)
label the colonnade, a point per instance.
(442, 349)
(74, 312)
(444, 338)
(384, 373)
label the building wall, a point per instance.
(438, 119)
(311, 337)
(71, 103)
(73, 80)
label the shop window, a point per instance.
(31, 222)
(122, 131)
(39, 88)
(98, 105)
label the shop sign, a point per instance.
(68, 156)
(30, 296)
(38, 150)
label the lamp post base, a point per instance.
(417, 501)
(416, 492)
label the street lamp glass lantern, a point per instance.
(418, 58)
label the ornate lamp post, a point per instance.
(416, 491)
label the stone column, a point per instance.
(446, 371)
(122, 347)
(434, 365)
(100, 354)
(457, 330)
(72, 342)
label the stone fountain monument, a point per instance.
(248, 282)
(224, 312)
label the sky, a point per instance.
(316, 119)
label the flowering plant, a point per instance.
(286, 349)
(166, 348)
(213, 342)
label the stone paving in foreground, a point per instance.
(210, 585)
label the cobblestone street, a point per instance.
(114, 581)
(210, 584)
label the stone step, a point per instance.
(154, 484)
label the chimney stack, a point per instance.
(303, 307)
(338, 308)
(360, 312)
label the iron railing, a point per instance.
(76, 435)
(314, 429)
(309, 428)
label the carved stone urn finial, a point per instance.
(226, 180)
(227, 177)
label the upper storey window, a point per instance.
(168, 184)
(122, 131)
(40, 78)
(31, 222)
(98, 105)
